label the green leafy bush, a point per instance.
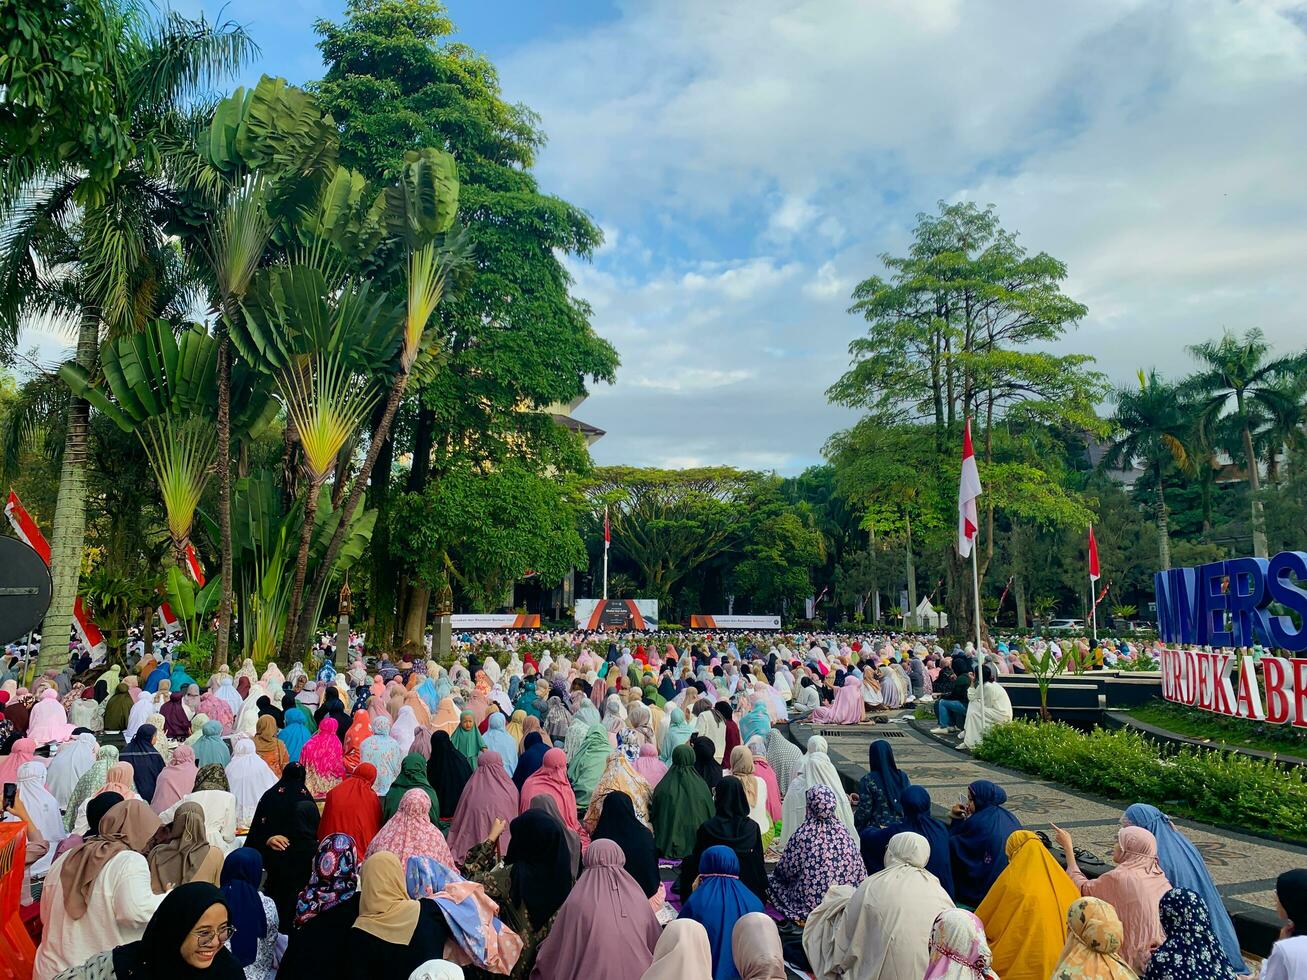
(1233, 790)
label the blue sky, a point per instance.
(749, 162)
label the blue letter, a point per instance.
(1213, 605)
(1166, 627)
(1186, 604)
(1282, 589)
(1246, 597)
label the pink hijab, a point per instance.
(649, 765)
(551, 780)
(176, 780)
(847, 709)
(763, 770)
(216, 709)
(48, 721)
(410, 831)
(487, 795)
(121, 780)
(20, 753)
(605, 928)
(1134, 888)
(322, 753)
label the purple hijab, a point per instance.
(487, 795)
(605, 928)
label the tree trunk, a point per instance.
(291, 644)
(415, 620)
(1163, 535)
(1019, 591)
(1254, 490)
(323, 575)
(147, 634)
(383, 586)
(912, 579)
(224, 500)
(69, 531)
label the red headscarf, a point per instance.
(359, 730)
(353, 808)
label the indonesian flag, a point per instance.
(608, 531)
(193, 565)
(1093, 556)
(26, 530)
(968, 491)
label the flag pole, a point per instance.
(607, 534)
(980, 650)
(1093, 608)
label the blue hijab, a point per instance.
(885, 773)
(210, 749)
(295, 734)
(498, 740)
(1184, 868)
(242, 874)
(678, 733)
(756, 721)
(978, 843)
(180, 679)
(916, 820)
(160, 673)
(534, 748)
(428, 693)
(718, 903)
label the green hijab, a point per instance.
(652, 696)
(468, 741)
(412, 775)
(117, 707)
(681, 802)
(588, 764)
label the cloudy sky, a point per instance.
(749, 162)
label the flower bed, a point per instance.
(1229, 790)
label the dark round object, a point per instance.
(24, 589)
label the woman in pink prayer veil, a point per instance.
(847, 709)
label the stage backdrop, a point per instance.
(617, 614)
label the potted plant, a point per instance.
(1043, 667)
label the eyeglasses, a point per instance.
(209, 937)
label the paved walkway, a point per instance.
(1243, 867)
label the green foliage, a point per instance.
(1229, 790)
(1043, 666)
(191, 605)
(1220, 730)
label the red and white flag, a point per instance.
(26, 530)
(968, 491)
(608, 531)
(193, 565)
(1093, 556)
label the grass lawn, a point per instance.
(1194, 723)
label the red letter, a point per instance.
(1299, 692)
(1275, 672)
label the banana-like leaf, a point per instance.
(424, 201)
(349, 213)
(274, 126)
(181, 594)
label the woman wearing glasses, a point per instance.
(186, 938)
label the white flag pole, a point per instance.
(980, 650)
(1093, 606)
(607, 534)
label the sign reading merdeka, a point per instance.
(1208, 680)
(1225, 603)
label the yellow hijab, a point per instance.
(1093, 944)
(514, 726)
(385, 910)
(1025, 910)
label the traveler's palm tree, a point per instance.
(1152, 426)
(1236, 379)
(94, 248)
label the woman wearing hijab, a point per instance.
(296, 733)
(69, 766)
(732, 827)
(383, 752)
(183, 940)
(185, 853)
(676, 732)
(887, 922)
(718, 901)
(916, 820)
(467, 739)
(98, 896)
(40, 811)
(619, 776)
(268, 747)
(210, 749)
(1025, 910)
(819, 854)
(411, 831)
(353, 808)
(958, 948)
(448, 773)
(784, 757)
(253, 915)
(604, 928)
(1184, 868)
(176, 780)
(176, 722)
(145, 759)
(705, 761)
(412, 775)
(117, 709)
(285, 832)
(359, 731)
(880, 792)
(756, 948)
(680, 804)
(500, 742)
(91, 783)
(755, 790)
(649, 766)
(551, 780)
(323, 759)
(816, 770)
(1191, 950)
(589, 763)
(488, 796)
(1093, 944)
(682, 953)
(978, 841)
(325, 911)
(620, 824)
(393, 934)
(249, 778)
(1288, 957)
(1134, 887)
(531, 758)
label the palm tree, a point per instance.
(1152, 426)
(87, 244)
(1236, 381)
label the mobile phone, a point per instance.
(11, 795)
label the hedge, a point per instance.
(1226, 789)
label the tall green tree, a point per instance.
(1237, 378)
(83, 217)
(514, 340)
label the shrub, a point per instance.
(1232, 789)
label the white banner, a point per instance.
(494, 621)
(735, 622)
